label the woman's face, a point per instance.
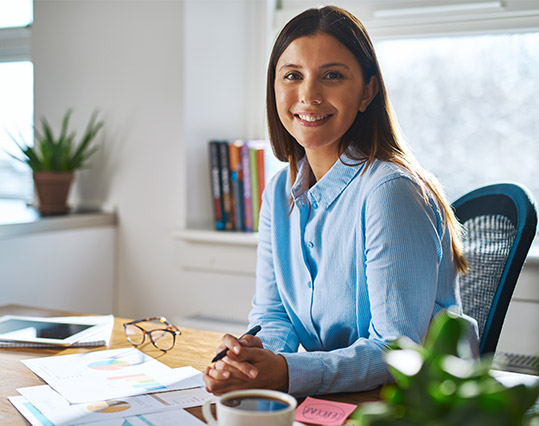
(319, 90)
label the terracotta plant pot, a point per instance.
(52, 190)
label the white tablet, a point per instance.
(54, 331)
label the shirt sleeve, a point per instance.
(277, 332)
(401, 235)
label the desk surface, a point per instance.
(193, 347)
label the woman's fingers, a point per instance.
(240, 363)
(229, 342)
(251, 341)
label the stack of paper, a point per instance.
(113, 387)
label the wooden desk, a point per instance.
(193, 347)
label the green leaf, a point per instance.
(62, 154)
(444, 334)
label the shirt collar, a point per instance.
(327, 189)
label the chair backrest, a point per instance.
(500, 222)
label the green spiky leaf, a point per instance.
(62, 154)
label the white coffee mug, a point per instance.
(252, 407)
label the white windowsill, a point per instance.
(17, 219)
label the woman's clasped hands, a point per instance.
(247, 365)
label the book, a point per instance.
(254, 186)
(260, 165)
(247, 203)
(236, 182)
(215, 169)
(256, 162)
(241, 177)
(228, 218)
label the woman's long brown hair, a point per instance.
(375, 133)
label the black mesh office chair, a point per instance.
(500, 222)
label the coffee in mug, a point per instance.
(253, 407)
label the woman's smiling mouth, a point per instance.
(312, 119)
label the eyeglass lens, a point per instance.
(162, 339)
(134, 334)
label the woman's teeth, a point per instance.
(312, 118)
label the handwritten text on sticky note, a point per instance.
(322, 412)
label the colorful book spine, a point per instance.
(236, 182)
(215, 168)
(260, 162)
(254, 186)
(228, 218)
(247, 203)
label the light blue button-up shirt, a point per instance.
(358, 259)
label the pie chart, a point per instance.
(111, 406)
(108, 365)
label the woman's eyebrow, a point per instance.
(289, 66)
(333, 65)
(325, 66)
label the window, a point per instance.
(16, 96)
(468, 106)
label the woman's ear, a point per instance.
(369, 92)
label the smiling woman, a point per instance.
(357, 244)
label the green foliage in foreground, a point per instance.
(438, 384)
(62, 154)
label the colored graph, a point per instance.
(111, 406)
(108, 365)
(140, 381)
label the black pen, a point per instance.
(252, 332)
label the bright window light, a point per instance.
(15, 13)
(16, 120)
(468, 106)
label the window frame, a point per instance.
(391, 19)
(16, 44)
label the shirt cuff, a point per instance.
(305, 376)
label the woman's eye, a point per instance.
(292, 76)
(334, 75)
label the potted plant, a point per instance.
(54, 160)
(439, 384)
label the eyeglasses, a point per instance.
(163, 339)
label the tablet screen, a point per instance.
(19, 329)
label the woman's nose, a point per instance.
(310, 92)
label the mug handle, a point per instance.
(206, 412)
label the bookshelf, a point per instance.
(223, 99)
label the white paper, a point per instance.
(167, 418)
(61, 413)
(172, 417)
(28, 411)
(110, 374)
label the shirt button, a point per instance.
(309, 284)
(310, 244)
(315, 205)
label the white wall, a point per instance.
(125, 58)
(163, 74)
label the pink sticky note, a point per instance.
(322, 412)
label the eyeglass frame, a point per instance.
(171, 328)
